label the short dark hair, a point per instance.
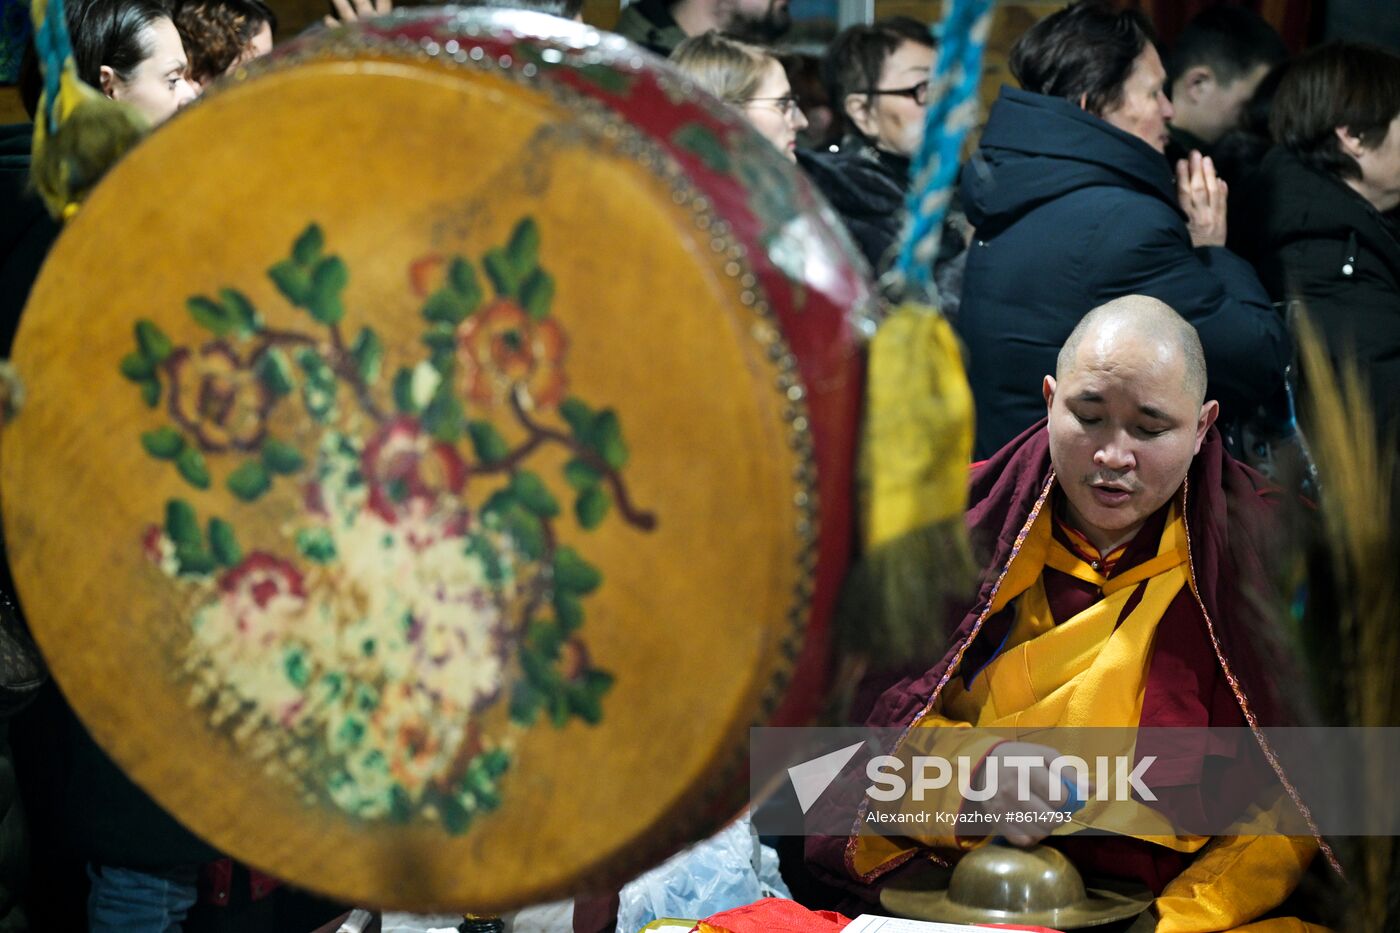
(854, 58)
(112, 33)
(216, 33)
(1085, 50)
(1230, 40)
(1349, 84)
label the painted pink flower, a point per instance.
(151, 543)
(261, 577)
(502, 349)
(262, 595)
(218, 398)
(403, 463)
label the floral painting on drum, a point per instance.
(423, 606)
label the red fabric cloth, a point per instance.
(216, 883)
(776, 915)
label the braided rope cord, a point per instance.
(55, 53)
(952, 111)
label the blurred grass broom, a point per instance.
(1350, 624)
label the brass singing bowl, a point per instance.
(1004, 884)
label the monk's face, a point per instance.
(1124, 426)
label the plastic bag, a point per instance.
(728, 870)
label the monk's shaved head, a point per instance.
(1143, 322)
(1126, 415)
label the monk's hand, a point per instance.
(1203, 196)
(350, 11)
(1027, 802)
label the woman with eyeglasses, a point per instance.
(877, 77)
(748, 78)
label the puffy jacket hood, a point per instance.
(1008, 176)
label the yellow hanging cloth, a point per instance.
(916, 450)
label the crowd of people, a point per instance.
(1125, 260)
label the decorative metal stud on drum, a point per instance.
(437, 456)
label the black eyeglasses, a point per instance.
(787, 106)
(919, 92)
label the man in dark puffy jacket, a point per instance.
(1074, 205)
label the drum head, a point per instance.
(416, 492)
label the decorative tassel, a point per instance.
(917, 446)
(918, 437)
(79, 134)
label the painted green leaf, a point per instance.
(292, 280)
(462, 277)
(495, 762)
(318, 392)
(307, 248)
(607, 439)
(181, 526)
(585, 705)
(400, 804)
(137, 367)
(327, 282)
(559, 709)
(163, 443)
(275, 372)
(316, 544)
(490, 447)
(440, 336)
(445, 306)
(155, 346)
(523, 250)
(297, 669)
(701, 141)
(525, 530)
(456, 819)
(319, 403)
(281, 458)
(223, 543)
(210, 315)
(190, 463)
(444, 416)
(592, 507)
(537, 294)
(241, 311)
(597, 682)
(534, 494)
(501, 273)
(249, 481)
(368, 353)
(525, 703)
(403, 392)
(487, 797)
(578, 416)
(568, 611)
(150, 392)
(194, 559)
(539, 670)
(573, 574)
(580, 475)
(547, 638)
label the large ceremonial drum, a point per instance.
(437, 456)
